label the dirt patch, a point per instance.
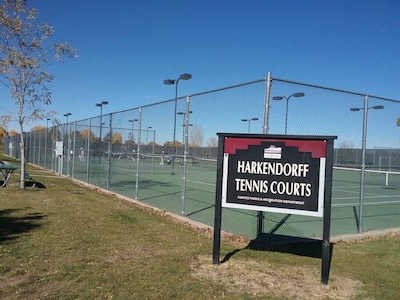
(265, 279)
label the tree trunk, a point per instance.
(22, 149)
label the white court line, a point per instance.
(347, 187)
(201, 182)
(344, 191)
(365, 193)
(374, 196)
(366, 203)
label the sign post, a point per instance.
(275, 173)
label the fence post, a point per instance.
(138, 153)
(89, 137)
(109, 153)
(260, 214)
(73, 150)
(185, 153)
(364, 138)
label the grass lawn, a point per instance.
(66, 241)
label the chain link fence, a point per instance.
(164, 154)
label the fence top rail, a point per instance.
(248, 83)
(183, 97)
(334, 89)
(229, 87)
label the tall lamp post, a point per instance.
(66, 115)
(363, 150)
(184, 76)
(147, 134)
(101, 113)
(297, 95)
(183, 124)
(249, 120)
(101, 125)
(133, 124)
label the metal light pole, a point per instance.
(133, 123)
(363, 150)
(101, 122)
(183, 124)
(184, 76)
(66, 115)
(147, 134)
(249, 120)
(101, 113)
(297, 95)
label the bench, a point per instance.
(6, 170)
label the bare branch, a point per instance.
(25, 52)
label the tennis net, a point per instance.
(371, 177)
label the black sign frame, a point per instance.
(289, 174)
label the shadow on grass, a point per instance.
(288, 244)
(11, 226)
(284, 244)
(35, 184)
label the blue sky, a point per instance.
(128, 47)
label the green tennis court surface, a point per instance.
(157, 187)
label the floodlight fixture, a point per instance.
(185, 76)
(183, 113)
(67, 115)
(277, 98)
(297, 95)
(249, 120)
(101, 103)
(361, 108)
(169, 81)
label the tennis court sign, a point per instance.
(270, 174)
(274, 173)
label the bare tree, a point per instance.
(25, 50)
(196, 135)
(212, 142)
(346, 145)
